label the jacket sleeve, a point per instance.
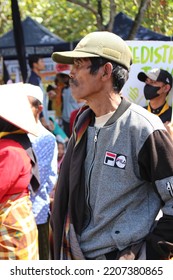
(156, 166)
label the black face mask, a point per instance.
(150, 92)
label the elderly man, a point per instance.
(118, 170)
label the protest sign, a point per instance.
(147, 55)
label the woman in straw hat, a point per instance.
(18, 231)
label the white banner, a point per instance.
(147, 55)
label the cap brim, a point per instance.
(142, 77)
(68, 57)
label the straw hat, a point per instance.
(34, 91)
(15, 107)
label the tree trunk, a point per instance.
(112, 15)
(98, 12)
(137, 22)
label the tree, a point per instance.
(73, 19)
(138, 19)
(97, 11)
(5, 18)
(138, 9)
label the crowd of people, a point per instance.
(56, 97)
(98, 174)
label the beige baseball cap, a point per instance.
(98, 44)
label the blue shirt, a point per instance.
(34, 79)
(46, 151)
(69, 104)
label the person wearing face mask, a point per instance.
(158, 83)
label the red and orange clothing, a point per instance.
(15, 170)
(18, 231)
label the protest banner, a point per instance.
(147, 55)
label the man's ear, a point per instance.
(168, 87)
(40, 108)
(107, 70)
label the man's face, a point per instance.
(40, 65)
(154, 83)
(163, 88)
(83, 84)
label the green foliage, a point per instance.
(160, 19)
(5, 16)
(70, 21)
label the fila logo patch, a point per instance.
(115, 160)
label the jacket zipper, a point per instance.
(89, 177)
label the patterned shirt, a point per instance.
(45, 148)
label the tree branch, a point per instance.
(84, 5)
(97, 13)
(112, 15)
(138, 19)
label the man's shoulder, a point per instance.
(34, 79)
(145, 118)
(44, 132)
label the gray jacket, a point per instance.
(128, 178)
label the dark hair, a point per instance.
(119, 73)
(49, 88)
(35, 102)
(56, 80)
(6, 126)
(34, 58)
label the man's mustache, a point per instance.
(73, 82)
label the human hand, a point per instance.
(161, 248)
